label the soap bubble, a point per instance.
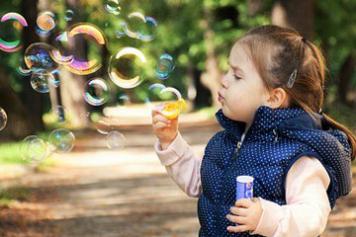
(68, 15)
(3, 119)
(61, 140)
(23, 71)
(84, 67)
(171, 101)
(123, 99)
(90, 30)
(54, 80)
(60, 112)
(115, 140)
(113, 6)
(14, 16)
(154, 92)
(125, 67)
(172, 109)
(103, 126)
(40, 82)
(38, 59)
(97, 92)
(16, 21)
(61, 52)
(34, 149)
(165, 66)
(139, 26)
(46, 21)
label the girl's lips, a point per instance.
(220, 97)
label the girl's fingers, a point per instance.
(236, 219)
(160, 118)
(239, 228)
(244, 202)
(160, 125)
(238, 211)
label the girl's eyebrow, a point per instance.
(236, 68)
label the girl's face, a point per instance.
(242, 89)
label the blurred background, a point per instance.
(78, 79)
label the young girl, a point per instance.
(274, 130)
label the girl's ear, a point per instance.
(278, 98)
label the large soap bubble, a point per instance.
(17, 23)
(85, 67)
(38, 58)
(125, 67)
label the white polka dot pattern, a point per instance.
(275, 140)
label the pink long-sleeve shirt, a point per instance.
(307, 209)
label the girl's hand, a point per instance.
(165, 129)
(246, 214)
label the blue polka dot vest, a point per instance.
(275, 140)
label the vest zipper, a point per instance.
(238, 146)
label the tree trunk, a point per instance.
(18, 125)
(72, 86)
(32, 100)
(254, 6)
(345, 76)
(211, 77)
(297, 14)
(197, 92)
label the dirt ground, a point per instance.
(94, 191)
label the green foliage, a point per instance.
(336, 29)
(181, 31)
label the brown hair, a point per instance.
(277, 52)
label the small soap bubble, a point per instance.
(23, 71)
(113, 6)
(138, 26)
(165, 66)
(97, 92)
(46, 21)
(40, 82)
(61, 140)
(68, 15)
(115, 140)
(34, 149)
(3, 119)
(123, 99)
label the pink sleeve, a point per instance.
(182, 165)
(307, 209)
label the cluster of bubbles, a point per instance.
(36, 149)
(43, 62)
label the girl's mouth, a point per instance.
(220, 97)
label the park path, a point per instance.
(94, 191)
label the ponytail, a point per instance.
(351, 137)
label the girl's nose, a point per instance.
(224, 81)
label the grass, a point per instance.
(10, 153)
(7, 196)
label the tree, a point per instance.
(297, 14)
(33, 101)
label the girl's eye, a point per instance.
(237, 77)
